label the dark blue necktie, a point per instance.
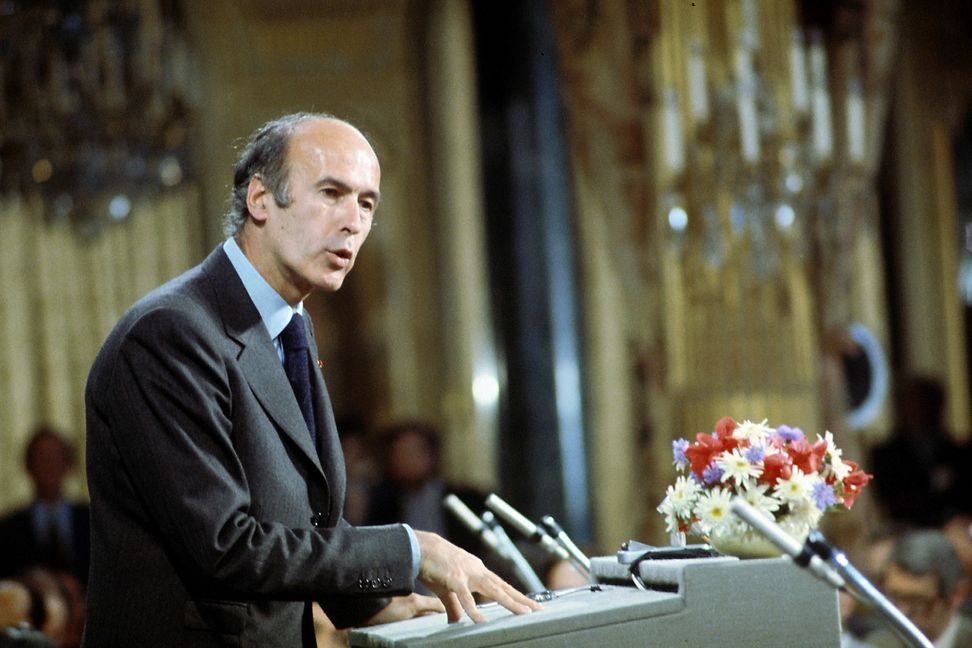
(297, 364)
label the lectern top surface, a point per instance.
(703, 602)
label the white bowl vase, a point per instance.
(731, 540)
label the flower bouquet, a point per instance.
(778, 471)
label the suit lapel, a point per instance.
(257, 356)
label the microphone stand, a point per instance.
(507, 549)
(523, 524)
(818, 555)
(578, 558)
(867, 593)
(494, 536)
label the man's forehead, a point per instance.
(328, 144)
(901, 579)
(333, 133)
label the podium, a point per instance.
(702, 602)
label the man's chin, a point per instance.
(332, 282)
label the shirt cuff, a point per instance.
(416, 552)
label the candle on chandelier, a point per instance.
(855, 122)
(746, 105)
(798, 73)
(698, 86)
(672, 132)
(823, 137)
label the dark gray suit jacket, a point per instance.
(214, 520)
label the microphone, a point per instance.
(496, 539)
(472, 522)
(530, 530)
(801, 555)
(577, 556)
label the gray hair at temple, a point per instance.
(929, 551)
(265, 155)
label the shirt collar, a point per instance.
(274, 310)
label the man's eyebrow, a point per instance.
(346, 188)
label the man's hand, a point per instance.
(406, 607)
(453, 575)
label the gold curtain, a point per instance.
(60, 295)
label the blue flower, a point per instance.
(754, 454)
(787, 433)
(712, 474)
(823, 496)
(678, 451)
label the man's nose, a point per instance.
(352, 216)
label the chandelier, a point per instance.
(96, 105)
(768, 157)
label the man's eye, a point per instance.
(367, 206)
(330, 192)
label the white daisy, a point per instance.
(833, 463)
(683, 495)
(671, 518)
(755, 433)
(803, 514)
(795, 489)
(713, 507)
(755, 495)
(735, 466)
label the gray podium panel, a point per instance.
(702, 602)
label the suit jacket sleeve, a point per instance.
(189, 436)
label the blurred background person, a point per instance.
(16, 604)
(857, 621)
(924, 578)
(361, 468)
(917, 470)
(412, 487)
(52, 608)
(51, 531)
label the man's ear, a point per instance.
(257, 195)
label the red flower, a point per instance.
(701, 453)
(723, 432)
(725, 427)
(853, 483)
(776, 466)
(806, 457)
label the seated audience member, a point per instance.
(14, 603)
(17, 609)
(959, 532)
(52, 609)
(923, 578)
(51, 531)
(361, 469)
(412, 488)
(856, 620)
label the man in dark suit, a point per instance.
(216, 487)
(52, 531)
